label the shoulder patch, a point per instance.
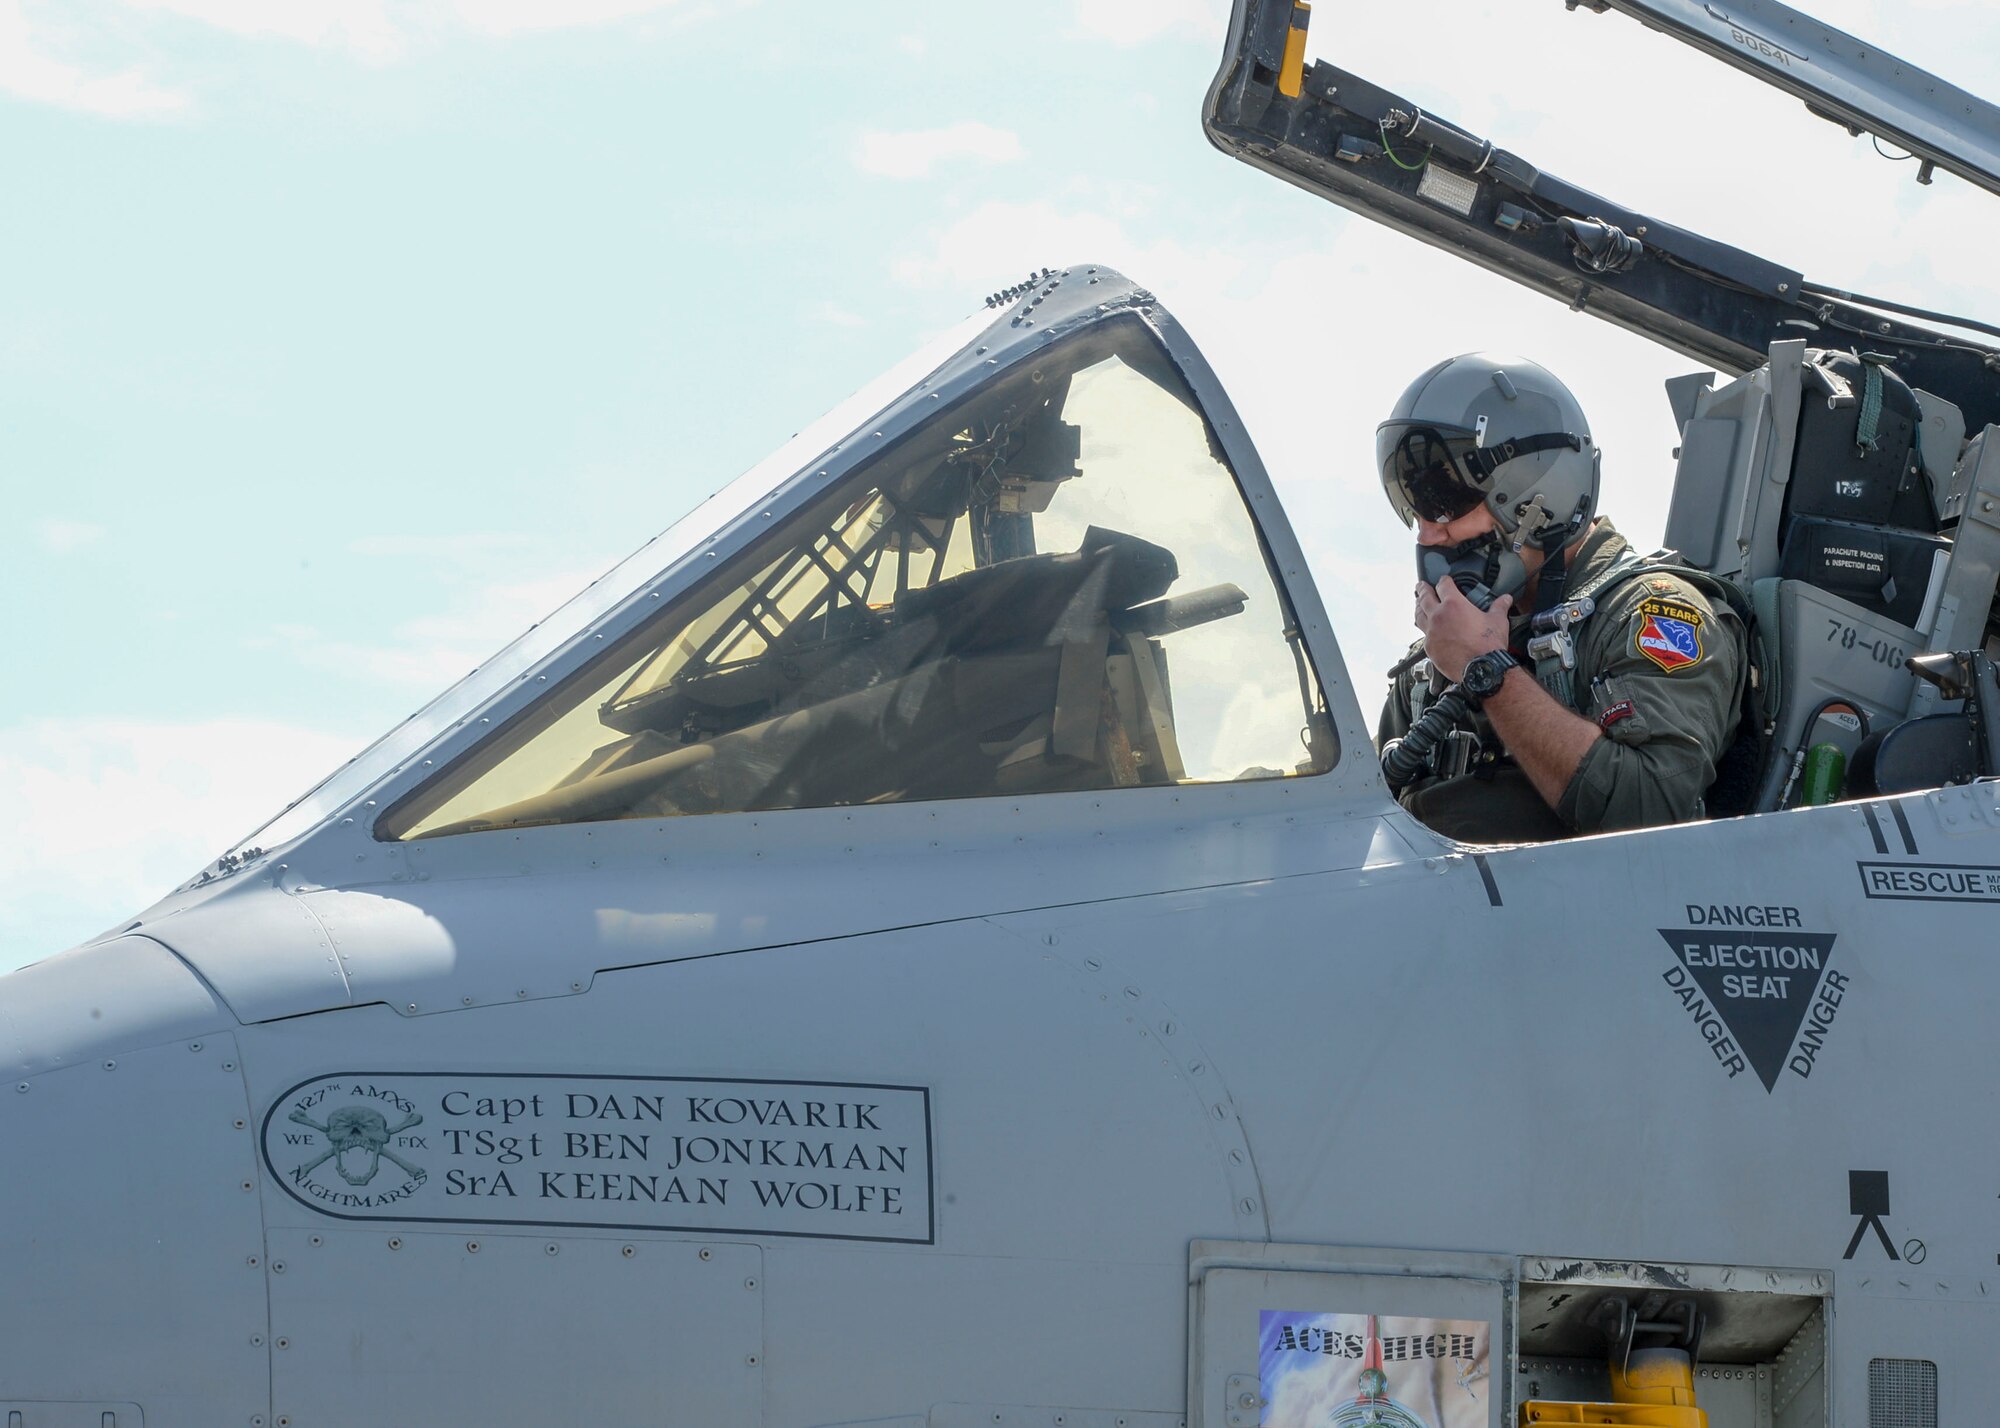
(1669, 640)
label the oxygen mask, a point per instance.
(1483, 568)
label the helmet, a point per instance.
(1492, 428)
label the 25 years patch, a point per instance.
(1669, 634)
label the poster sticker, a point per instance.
(1320, 1370)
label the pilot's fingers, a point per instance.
(1503, 605)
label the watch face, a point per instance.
(1484, 675)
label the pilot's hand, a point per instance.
(1455, 630)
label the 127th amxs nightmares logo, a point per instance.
(352, 1135)
(834, 1160)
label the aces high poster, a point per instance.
(1355, 1370)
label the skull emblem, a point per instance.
(357, 1141)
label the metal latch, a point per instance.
(1244, 1401)
(1549, 632)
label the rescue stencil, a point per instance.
(830, 1160)
(1758, 986)
(1347, 1370)
(1929, 882)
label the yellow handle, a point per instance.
(1292, 73)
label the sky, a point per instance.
(341, 340)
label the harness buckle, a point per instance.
(1550, 637)
(1556, 645)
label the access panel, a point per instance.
(1298, 1336)
(417, 1329)
(1306, 1336)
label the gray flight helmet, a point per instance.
(1493, 428)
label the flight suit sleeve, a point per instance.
(1665, 670)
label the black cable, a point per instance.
(1708, 275)
(1825, 317)
(1410, 755)
(1819, 711)
(1805, 732)
(1903, 308)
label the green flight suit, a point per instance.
(1659, 668)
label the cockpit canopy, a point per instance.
(1053, 584)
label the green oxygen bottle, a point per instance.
(1826, 770)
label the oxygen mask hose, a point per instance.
(1405, 758)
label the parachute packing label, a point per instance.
(1669, 634)
(1321, 1370)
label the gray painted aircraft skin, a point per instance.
(1030, 1108)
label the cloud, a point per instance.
(34, 66)
(913, 153)
(362, 27)
(1136, 22)
(106, 815)
(995, 243)
(369, 29)
(61, 537)
(467, 547)
(513, 17)
(430, 653)
(27, 71)
(833, 314)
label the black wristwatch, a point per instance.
(1485, 673)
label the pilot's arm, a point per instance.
(1546, 741)
(1665, 674)
(1664, 677)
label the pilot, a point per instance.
(1564, 684)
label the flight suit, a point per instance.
(1659, 668)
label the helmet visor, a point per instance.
(1426, 472)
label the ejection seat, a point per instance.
(1865, 531)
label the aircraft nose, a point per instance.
(133, 1183)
